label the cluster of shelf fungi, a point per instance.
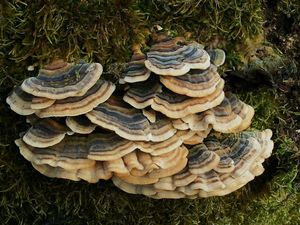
(167, 131)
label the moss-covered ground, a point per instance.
(34, 32)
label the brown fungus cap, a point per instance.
(62, 80)
(130, 123)
(45, 132)
(232, 115)
(175, 57)
(75, 152)
(196, 83)
(244, 155)
(60, 155)
(141, 95)
(80, 124)
(56, 172)
(75, 106)
(136, 70)
(178, 106)
(197, 137)
(26, 104)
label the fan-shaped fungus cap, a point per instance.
(232, 115)
(184, 177)
(140, 95)
(74, 106)
(26, 104)
(64, 155)
(136, 70)
(108, 146)
(130, 123)
(196, 83)
(178, 106)
(116, 115)
(61, 80)
(158, 148)
(176, 57)
(201, 159)
(217, 56)
(45, 133)
(246, 112)
(75, 152)
(80, 124)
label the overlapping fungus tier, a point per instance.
(215, 168)
(232, 115)
(178, 106)
(26, 104)
(141, 95)
(75, 149)
(175, 57)
(74, 106)
(130, 123)
(61, 80)
(135, 70)
(80, 124)
(45, 132)
(152, 138)
(196, 83)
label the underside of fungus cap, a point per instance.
(140, 95)
(95, 173)
(80, 124)
(133, 189)
(90, 174)
(61, 80)
(217, 56)
(136, 70)
(26, 104)
(196, 83)
(45, 133)
(74, 106)
(176, 57)
(178, 106)
(56, 172)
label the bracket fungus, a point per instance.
(167, 134)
